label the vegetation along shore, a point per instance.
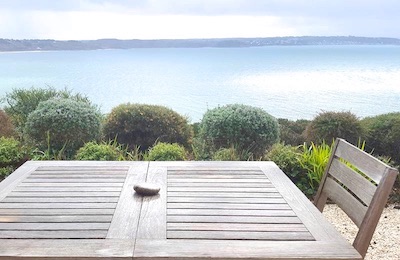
(50, 124)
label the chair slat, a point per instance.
(359, 190)
(365, 162)
(347, 202)
(354, 181)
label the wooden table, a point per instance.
(224, 210)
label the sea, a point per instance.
(293, 82)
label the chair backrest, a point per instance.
(360, 185)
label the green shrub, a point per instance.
(12, 155)
(167, 152)
(226, 154)
(63, 124)
(11, 152)
(5, 171)
(144, 125)
(92, 151)
(327, 126)
(6, 126)
(248, 129)
(288, 159)
(291, 132)
(21, 102)
(382, 134)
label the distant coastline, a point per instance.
(11, 45)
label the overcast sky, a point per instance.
(166, 19)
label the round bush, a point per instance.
(248, 129)
(63, 122)
(92, 151)
(167, 152)
(20, 102)
(383, 134)
(327, 126)
(144, 125)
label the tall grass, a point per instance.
(314, 159)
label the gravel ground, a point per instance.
(385, 244)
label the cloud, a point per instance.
(84, 19)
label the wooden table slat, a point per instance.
(56, 219)
(66, 189)
(77, 249)
(4, 205)
(217, 176)
(69, 180)
(233, 219)
(221, 189)
(10, 199)
(125, 222)
(232, 200)
(54, 226)
(271, 236)
(226, 194)
(57, 234)
(152, 223)
(195, 249)
(247, 227)
(255, 184)
(230, 212)
(56, 211)
(231, 206)
(222, 180)
(66, 184)
(64, 194)
(77, 176)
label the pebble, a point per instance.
(386, 239)
(146, 189)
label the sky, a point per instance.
(183, 19)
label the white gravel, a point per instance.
(385, 244)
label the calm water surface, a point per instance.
(288, 82)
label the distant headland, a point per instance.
(51, 45)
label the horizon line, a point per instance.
(200, 38)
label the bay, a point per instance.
(294, 82)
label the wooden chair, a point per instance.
(362, 196)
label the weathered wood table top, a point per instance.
(224, 210)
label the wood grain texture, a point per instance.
(126, 218)
(346, 201)
(241, 235)
(301, 205)
(62, 211)
(185, 249)
(238, 218)
(365, 162)
(153, 214)
(229, 200)
(234, 217)
(245, 227)
(358, 184)
(230, 206)
(371, 218)
(66, 249)
(12, 181)
(56, 219)
(54, 234)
